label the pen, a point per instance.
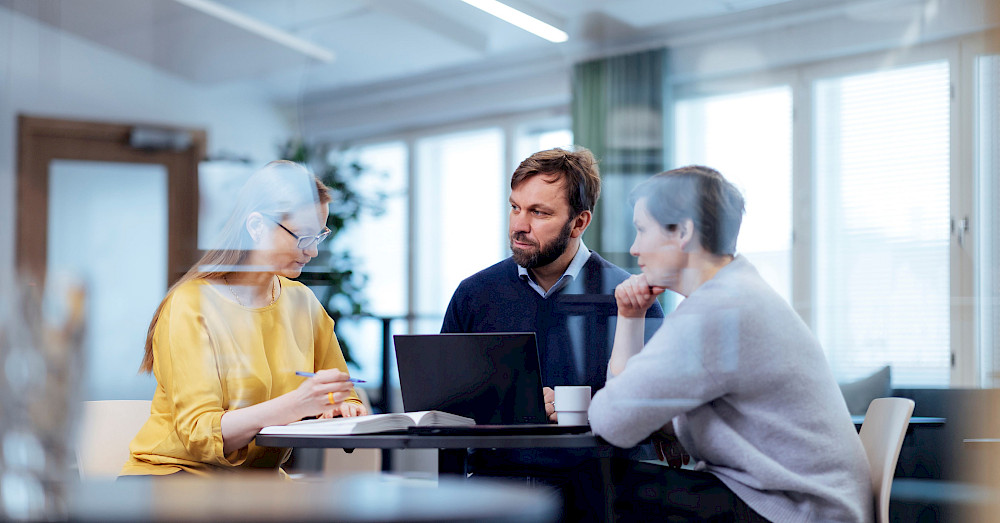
(311, 374)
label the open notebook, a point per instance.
(370, 424)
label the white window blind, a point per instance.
(747, 136)
(882, 278)
(988, 166)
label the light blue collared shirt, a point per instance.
(575, 266)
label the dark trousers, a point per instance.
(603, 490)
(579, 488)
(647, 492)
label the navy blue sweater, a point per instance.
(574, 327)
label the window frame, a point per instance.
(985, 371)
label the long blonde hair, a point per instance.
(278, 189)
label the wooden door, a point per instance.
(44, 140)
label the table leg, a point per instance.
(608, 486)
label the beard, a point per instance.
(540, 255)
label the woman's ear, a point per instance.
(686, 231)
(255, 226)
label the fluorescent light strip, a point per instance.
(259, 28)
(513, 16)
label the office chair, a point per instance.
(882, 436)
(106, 429)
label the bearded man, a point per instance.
(552, 284)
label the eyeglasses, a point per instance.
(304, 242)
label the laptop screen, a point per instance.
(493, 378)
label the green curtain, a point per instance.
(621, 112)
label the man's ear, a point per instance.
(580, 224)
(255, 226)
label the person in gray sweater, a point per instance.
(733, 377)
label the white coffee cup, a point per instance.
(573, 418)
(571, 404)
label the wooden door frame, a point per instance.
(42, 140)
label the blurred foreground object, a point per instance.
(361, 498)
(40, 356)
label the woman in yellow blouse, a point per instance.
(228, 337)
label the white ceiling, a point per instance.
(374, 41)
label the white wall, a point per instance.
(44, 72)
(491, 90)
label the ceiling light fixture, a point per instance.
(513, 16)
(261, 29)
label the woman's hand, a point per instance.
(316, 395)
(635, 296)
(351, 409)
(347, 409)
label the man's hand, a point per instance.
(635, 296)
(549, 396)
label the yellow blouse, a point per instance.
(210, 356)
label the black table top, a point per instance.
(432, 441)
(915, 420)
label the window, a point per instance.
(882, 217)
(748, 138)
(460, 215)
(530, 141)
(886, 258)
(988, 164)
(458, 206)
(379, 243)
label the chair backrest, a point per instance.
(882, 436)
(106, 429)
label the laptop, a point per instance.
(493, 378)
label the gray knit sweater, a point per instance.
(752, 400)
